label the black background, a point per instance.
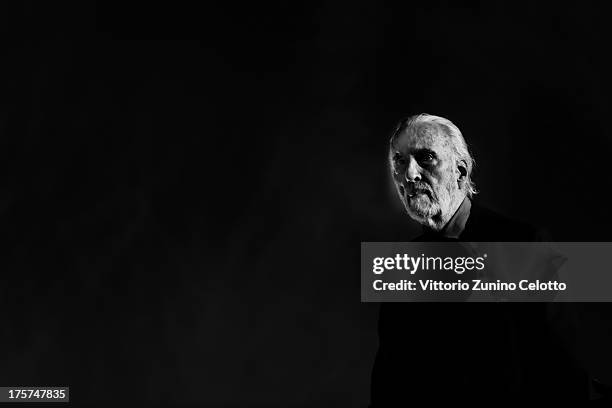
(184, 190)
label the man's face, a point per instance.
(426, 175)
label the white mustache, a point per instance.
(415, 189)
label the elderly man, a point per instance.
(485, 353)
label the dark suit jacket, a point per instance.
(491, 353)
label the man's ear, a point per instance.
(461, 172)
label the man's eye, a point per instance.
(399, 160)
(426, 157)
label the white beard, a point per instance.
(421, 207)
(433, 212)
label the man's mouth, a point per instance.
(412, 193)
(416, 193)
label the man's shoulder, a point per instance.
(485, 224)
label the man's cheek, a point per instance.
(400, 189)
(397, 176)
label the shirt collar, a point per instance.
(455, 226)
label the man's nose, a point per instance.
(413, 172)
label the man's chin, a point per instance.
(421, 214)
(420, 204)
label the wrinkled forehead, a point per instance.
(421, 137)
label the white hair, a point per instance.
(460, 148)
